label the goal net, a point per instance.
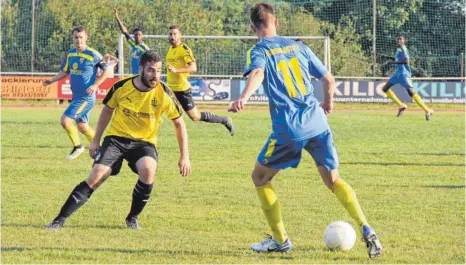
(217, 56)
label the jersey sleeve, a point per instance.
(145, 47)
(188, 56)
(64, 66)
(111, 99)
(98, 60)
(316, 67)
(172, 107)
(255, 58)
(130, 40)
(405, 53)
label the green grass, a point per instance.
(408, 175)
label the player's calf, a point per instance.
(212, 118)
(78, 197)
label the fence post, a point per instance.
(462, 65)
(374, 36)
(121, 57)
(32, 35)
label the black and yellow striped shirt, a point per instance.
(137, 113)
(179, 57)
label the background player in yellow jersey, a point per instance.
(81, 64)
(137, 44)
(181, 63)
(136, 104)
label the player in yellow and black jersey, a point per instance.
(180, 63)
(136, 104)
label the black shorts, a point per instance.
(186, 99)
(114, 149)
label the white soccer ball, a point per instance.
(340, 236)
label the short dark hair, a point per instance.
(400, 37)
(174, 26)
(260, 14)
(78, 29)
(149, 56)
(136, 30)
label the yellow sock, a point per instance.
(89, 134)
(394, 98)
(271, 207)
(347, 198)
(73, 134)
(419, 102)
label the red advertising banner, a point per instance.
(64, 88)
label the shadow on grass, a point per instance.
(37, 146)
(445, 186)
(404, 164)
(42, 226)
(421, 154)
(32, 122)
(236, 253)
(424, 186)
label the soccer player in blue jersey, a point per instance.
(137, 45)
(81, 64)
(284, 67)
(403, 77)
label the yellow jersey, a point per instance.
(137, 114)
(179, 57)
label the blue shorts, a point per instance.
(79, 109)
(403, 80)
(288, 154)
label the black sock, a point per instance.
(141, 195)
(212, 118)
(77, 198)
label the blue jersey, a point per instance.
(136, 51)
(82, 69)
(401, 55)
(288, 65)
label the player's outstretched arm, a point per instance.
(383, 56)
(54, 79)
(255, 79)
(104, 119)
(405, 61)
(122, 26)
(329, 89)
(182, 137)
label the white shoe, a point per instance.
(77, 150)
(429, 114)
(401, 110)
(272, 245)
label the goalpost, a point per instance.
(218, 56)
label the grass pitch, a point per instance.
(408, 175)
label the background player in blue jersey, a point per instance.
(81, 64)
(403, 77)
(284, 67)
(137, 45)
